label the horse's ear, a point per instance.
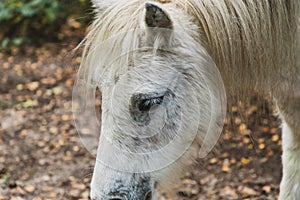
(156, 17)
(159, 26)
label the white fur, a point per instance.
(103, 4)
(290, 184)
(255, 45)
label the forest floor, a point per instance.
(42, 158)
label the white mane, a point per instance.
(259, 36)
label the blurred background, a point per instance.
(41, 157)
(46, 20)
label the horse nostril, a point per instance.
(116, 198)
(148, 195)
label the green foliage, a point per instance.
(9, 9)
(30, 20)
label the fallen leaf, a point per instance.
(33, 86)
(226, 166)
(29, 188)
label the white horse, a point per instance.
(157, 65)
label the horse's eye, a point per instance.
(148, 196)
(141, 104)
(145, 105)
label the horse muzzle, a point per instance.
(110, 184)
(133, 192)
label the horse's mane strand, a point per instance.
(253, 40)
(250, 38)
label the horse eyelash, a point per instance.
(148, 103)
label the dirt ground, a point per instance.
(41, 156)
